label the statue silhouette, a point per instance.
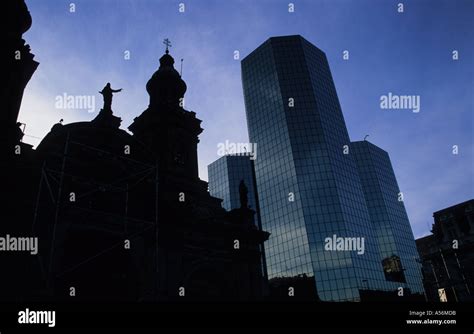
(243, 192)
(107, 92)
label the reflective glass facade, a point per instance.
(225, 175)
(389, 218)
(309, 190)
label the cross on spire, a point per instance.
(167, 42)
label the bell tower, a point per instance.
(165, 127)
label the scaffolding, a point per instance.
(51, 196)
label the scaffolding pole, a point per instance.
(56, 214)
(157, 278)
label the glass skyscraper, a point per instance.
(225, 175)
(308, 184)
(397, 246)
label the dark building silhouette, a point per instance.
(448, 254)
(18, 66)
(122, 216)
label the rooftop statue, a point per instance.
(243, 192)
(107, 93)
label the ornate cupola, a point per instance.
(165, 127)
(165, 87)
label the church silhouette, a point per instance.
(117, 216)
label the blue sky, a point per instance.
(403, 53)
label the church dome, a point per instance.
(166, 86)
